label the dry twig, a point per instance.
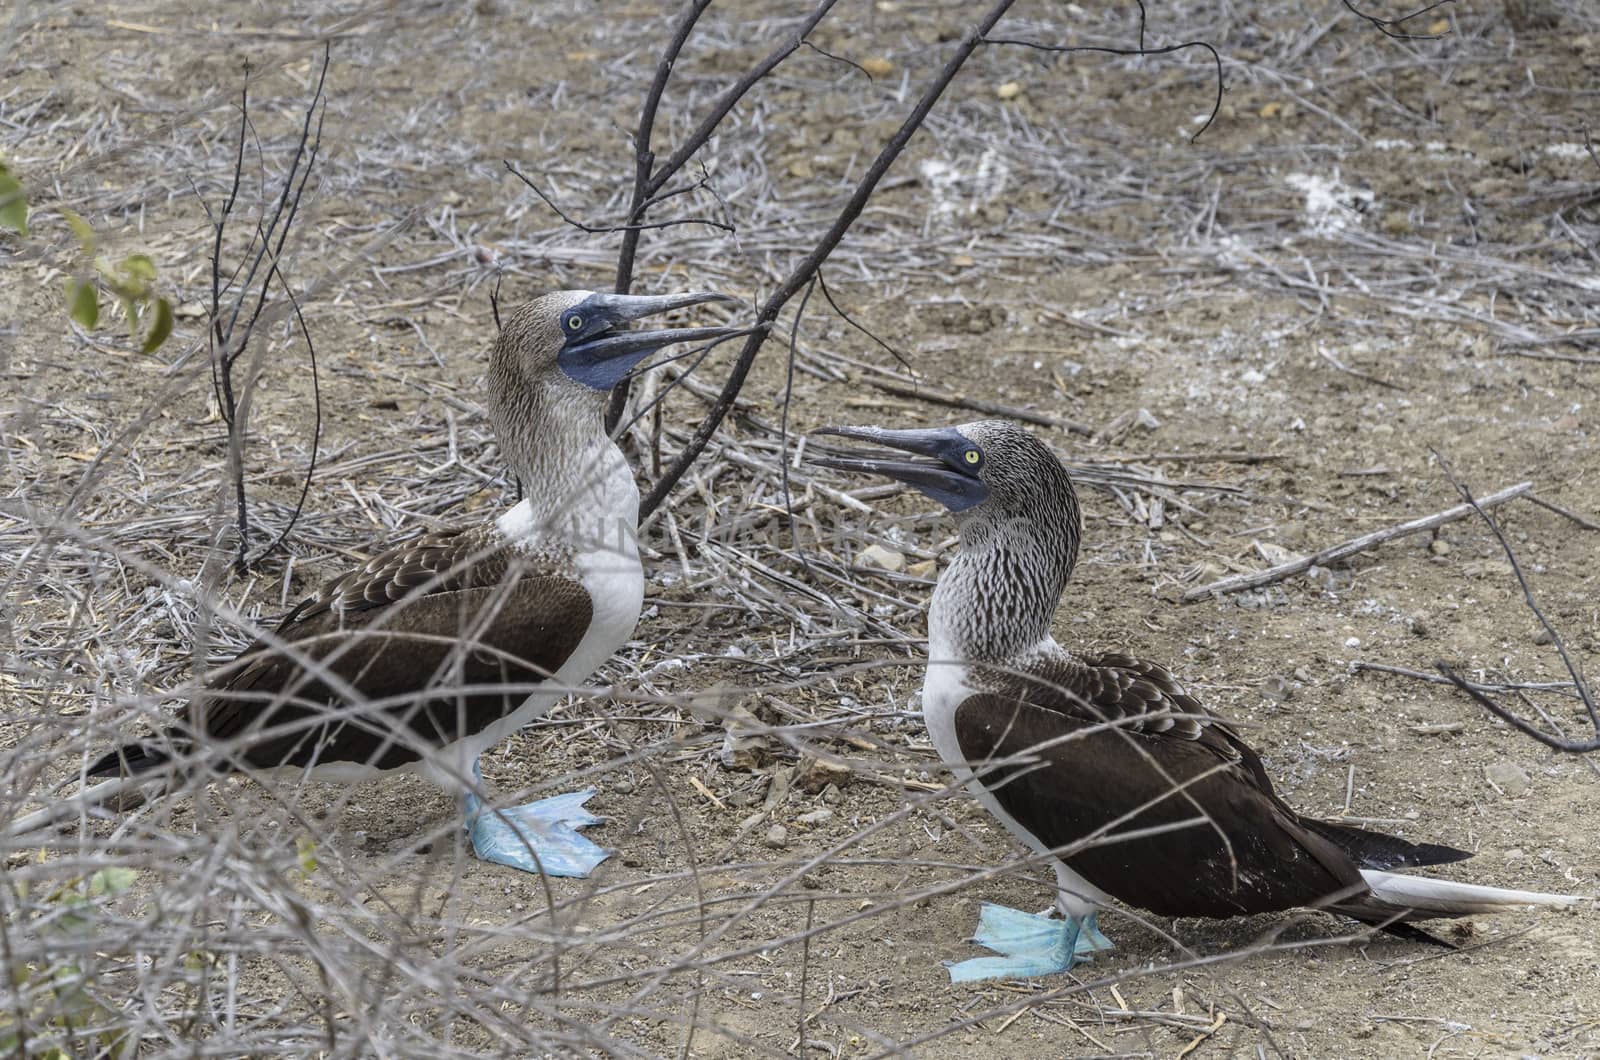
(1237, 582)
(1557, 740)
(230, 337)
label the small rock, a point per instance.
(814, 775)
(744, 746)
(1508, 777)
(1486, 568)
(1277, 688)
(881, 558)
(877, 66)
(1275, 554)
(1543, 637)
(1009, 90)
(820, 815)
(924, 569)
(777, 836)
(832, 795)
(1302, 675)
(1352, 642)
(1439, 547)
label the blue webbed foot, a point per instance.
(1091, 938)
(1030, 944)
(539, 836)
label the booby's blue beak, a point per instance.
(950, 475)
(598, 356)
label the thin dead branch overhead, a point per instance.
(650, 179)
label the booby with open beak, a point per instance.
(1103, 763)
(432, 652)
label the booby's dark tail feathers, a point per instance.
(132, 759)
(124, 776)
(1375, 850)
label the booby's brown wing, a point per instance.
(1253, 856)
(447, 614)
(445, 561)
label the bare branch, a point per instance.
(1216, 106)
(1387, 26)
(1235, 583)
(647, 181)
(1557, 741)
(838, 59)
(802, 273)
(1563, 687)
(848, 319)
(228, 339)
(617, 228)
(730, 99)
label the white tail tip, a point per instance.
(1448, 898)
(72, 806)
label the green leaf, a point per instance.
(83, 303)
(112, 881)
(135, 273)
(160, 327)
(139, 266)
(80, 228)
(13, 204)
(307, 850)
(116, 1043)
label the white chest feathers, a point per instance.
(604, 552)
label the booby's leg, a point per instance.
(540, 836)
(1031, 945)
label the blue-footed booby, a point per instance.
(1103, 763)
(432, 652)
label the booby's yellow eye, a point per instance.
(972, 456)
(575, 322)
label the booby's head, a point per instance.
(990, 469)
(550, 371)
(579, 339)
(1019, 519)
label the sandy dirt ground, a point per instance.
(1379, 260)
